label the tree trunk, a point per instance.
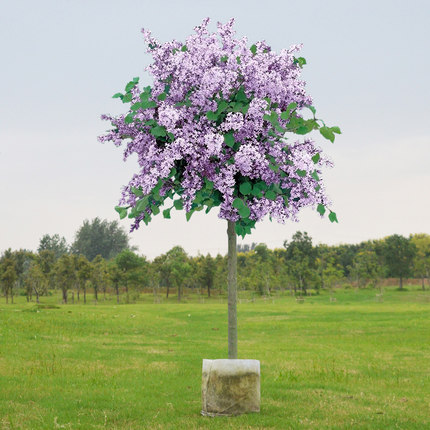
(232, 290)
(64, 296)
(117, 293)
(422, 283)
(167, 292)
(37, 296)
(209, 290)
(126, 293)
(401, 283)
(95, 294)
(179, 293)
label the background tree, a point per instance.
(8, 274)
(37, 280)
(128, 263)
(55, 243)
(367, 268)
(300, 259)
(206, 272)
(215, 109)
(178, 266)
(421, 261)
(115, 276)
(99, 275)
(100, 237)
(46, 261)
(398, 253)
(65, 275)
(84, 271)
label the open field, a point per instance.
(354, 363)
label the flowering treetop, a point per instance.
(221, 126)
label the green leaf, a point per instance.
(332, 217)
(244, 212)
(184, 48)
(136, 106)
(301, 173)
(130, 85)
(302, 130)
(211, 116)
(209, 184)
(254, 49)
(239, 229)
(142, 204)
(155, 210)
(312, 109)
(224, 59)
(222, 106)
(162, 96)
(137, 192)
(316, 158)
(158, 131)
(245, 188)
(286, 114)
(241, 95)
(300, 61)
(188, 214)
(166, 213)
(127, 98)
(229, 139)
(122, 211)
(171, 136)
(321, 209)
(136, 80)
(178, 204)
(117, 96)
(336, 130)
(238, 60)
(147, 104)
(128, 119)
(269, 194)
(238, 203)
(315, 175)
(327, 133)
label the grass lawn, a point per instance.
(353, 363)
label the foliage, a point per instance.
(398, 253)
(55, 243)
(100, 237)
(220, 126)
(422, 256)
(300, 259)
(8, 273)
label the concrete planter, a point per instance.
(230, 387)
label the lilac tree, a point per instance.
(224, 124)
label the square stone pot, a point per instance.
(230, 387)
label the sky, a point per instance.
(367, 70)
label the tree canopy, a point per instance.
(100, 237)
(221, 126)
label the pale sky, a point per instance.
(62, 60)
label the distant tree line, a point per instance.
(100, 260)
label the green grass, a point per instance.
(354, 363)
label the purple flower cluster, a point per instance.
(206, 117)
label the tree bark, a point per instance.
(232, 290)
(401, 283)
